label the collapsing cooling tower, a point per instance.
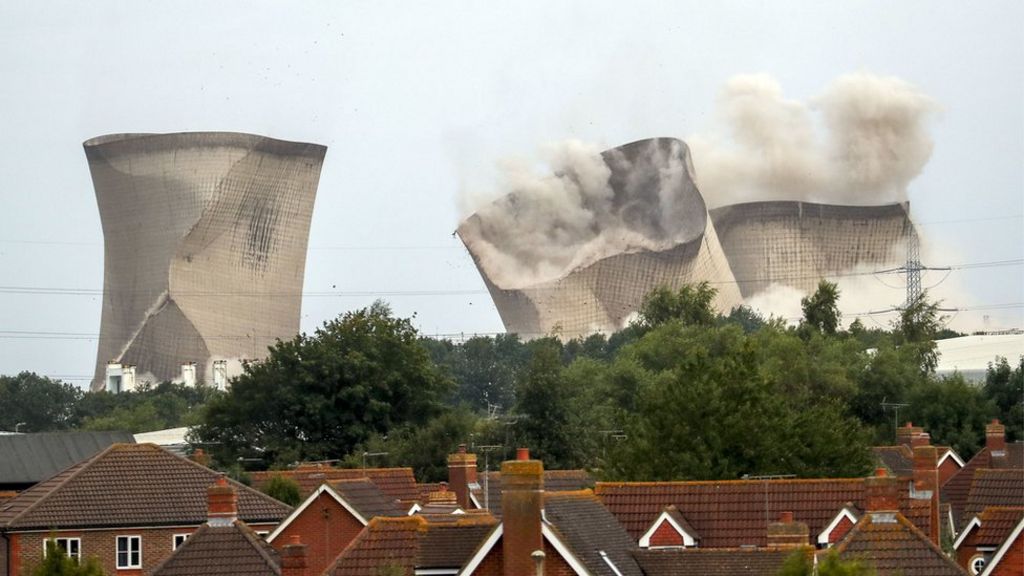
(795, 244)
(204, 246)
(650, 227)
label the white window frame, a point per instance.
(76, 555)
(175, 544)
(975, 560)
(263, 533)
(129, 538)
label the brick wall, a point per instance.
(666, 535)
(102, 544)
(554, 565)
(325, 527)
(1012, 563)
(839, 531)
(4, 543)
(947, 469)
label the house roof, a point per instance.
(992, 487)
(229, 550)
(412, 542)
(554, 481)
(129, 485)
(997, 523)
(717, 562)
(398, 483)
(367, 498)
(892, 545)
(734, 513)
(32, 458)
(590, 531)
(957, 489)
(897, 459)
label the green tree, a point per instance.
(692, 305)
(34, 403)
(917, 327)
(166, 405)
(284, 489)
(1004, 386)
(801, 563)
(317, 397)
(543, 409)
(952, 410)
(707, 409)
(821, 309)
(57, 563)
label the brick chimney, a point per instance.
(785, 533)
(926, 484)
(995, 439)
(522, 498)
(222, 503)
(461, 473)
(442, 495)
(881, 492)
(922, 439)
(293, 558)
(905, 434)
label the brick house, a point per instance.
(397, 483)
(226, 546)
(331, 517)
(899, 459)
(1008, 559)
(129, 506)
(984, 535)
(736, 513)
(998, 454)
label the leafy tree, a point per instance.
(284, 489)
(317, 397)
(821, 309)
(917, 327)
(747, 318)
(543, 408)
(707, 410)
(57, 563)
(801, 563)
(166, 405)
(1004, 386)
(692, 305)
(952, 410)
(37, 403)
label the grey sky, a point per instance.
(417, 101)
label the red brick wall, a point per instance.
(840, 530)
(947, 469)
(967, 550)
(666, 535)
(554, 565)
(1012, 563)
(325, 527)
(102, 544)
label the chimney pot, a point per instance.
(786, 533)
(881, 472)
(293, 558)
(462, 448)
(786, 517)
(522, 499)
(522, 454)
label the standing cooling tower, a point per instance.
(798, 243)
(602, 295)
(204, 246)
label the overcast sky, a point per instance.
(417, 101)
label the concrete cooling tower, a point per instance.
(204, 247)
(797, 243)
(656, 232)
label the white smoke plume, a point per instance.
(564, 213)
(859, 143)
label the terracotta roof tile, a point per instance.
(994, 488)
(229, 550)
(591, 532)
(996, 525)
(892, 545)
(130, 485)
(957, 489)
(719, 562)
(899, 460)
(411, 542)
(368, 500)
(734, 513)
(398, 483)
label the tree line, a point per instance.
(681, 393)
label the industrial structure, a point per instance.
(601, 296)
(205, 239)
(741, 249)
